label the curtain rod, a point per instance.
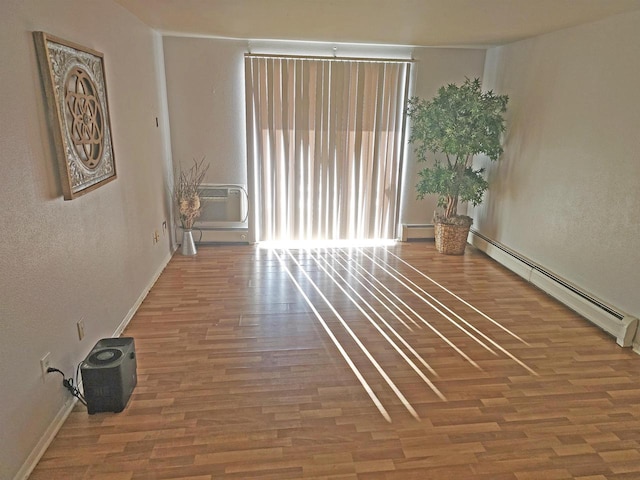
(327, 57)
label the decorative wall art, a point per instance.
(76, 91)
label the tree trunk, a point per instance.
(452, 206)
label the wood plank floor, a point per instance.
(386, 363)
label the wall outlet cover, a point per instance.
(80, 326)
(45, 363)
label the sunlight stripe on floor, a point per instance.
(354, 271)
(395, 346)
(419, 317)
(444, 315)
(431, 297)
(355, 338)
(368, 290)
(374, 295)
(460, 299)
(335, 341)
(420, 289)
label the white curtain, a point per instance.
(325, 142)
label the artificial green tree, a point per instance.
(458, 123)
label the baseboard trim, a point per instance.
(52, 430)
(410, 232)
(623, 327)
(46, 439)
(132, 311)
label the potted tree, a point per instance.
(458, 123)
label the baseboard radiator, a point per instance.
(409, 232)
(223, 216)
(620, 325)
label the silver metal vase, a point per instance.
(188, 245)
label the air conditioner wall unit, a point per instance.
(223, 215)
(222, 206)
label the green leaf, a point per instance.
(460, 122)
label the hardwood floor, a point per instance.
(246, 370)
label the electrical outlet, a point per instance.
(80, 326)
(45, 363)
(156, 237)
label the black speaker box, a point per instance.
(109, 374)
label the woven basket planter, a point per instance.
(451, 239)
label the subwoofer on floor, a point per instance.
(109, 374)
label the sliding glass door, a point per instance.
(325, 142)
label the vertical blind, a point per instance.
(325, 142)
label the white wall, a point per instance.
(89, 258)
(566, 193)
(205, 93)
(434, 68)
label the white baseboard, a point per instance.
(416, 232)
(45, 440)
(623, 327)
(132, 311)
(52, 430)
(499, 255)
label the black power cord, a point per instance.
(70, 384)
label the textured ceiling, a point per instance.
(400, 22)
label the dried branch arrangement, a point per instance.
(185, 192)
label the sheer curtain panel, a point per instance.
(325, 142)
